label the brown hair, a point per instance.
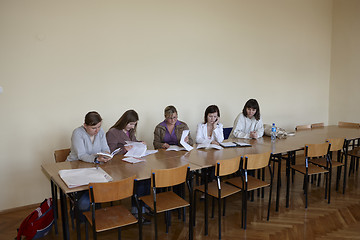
(92, 118)
(211, 109)
(252, 103)
(169, 110)
(128, 116)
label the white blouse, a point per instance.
(244, 125)
(202, 135)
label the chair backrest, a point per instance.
(112, 191)
(303, 127)
(256, 161)
(317, 150)
(227, 166)
(317, 125)
(349, 124)
(227, 132)
(61, 155)
(169, 177)
(337, 144)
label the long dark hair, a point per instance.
(128, 116)
(252, 103)
(211, 109)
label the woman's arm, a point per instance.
(218, 133)
(259, 128)
(239, 127)
(158, 136)
(78, 146)
(200, 136)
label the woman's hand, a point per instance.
(127, 148)
(253, 134)
(216, 123)
(215, 142)
(186, 139)
(165, 146)
(103, 159)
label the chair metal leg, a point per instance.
(224, 206)
(306, 189)
(330, 173)
(86, 230)
(55, 205)
(213, 206)
(194, 210)
(219, 215)
(119, 233)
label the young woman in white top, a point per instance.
(248, 124)
(211, 130)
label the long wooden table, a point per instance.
(200, 159)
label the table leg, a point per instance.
(206, 200)
(345, 164)
(278, 183)
(77, 214)
(191, 216)
(64, 216)
(288, 160)
(55, 204)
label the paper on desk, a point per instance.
(241, 144)
(148, 152)
(182, 141)
(133, 160)
(228, 144)
(208, 145)
(83, 176)
(175, 148)
(138, 149)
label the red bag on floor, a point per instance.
(38, 223)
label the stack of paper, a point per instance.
(84, 176)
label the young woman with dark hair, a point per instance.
(248, 124)
(211, 130)
(123, 130)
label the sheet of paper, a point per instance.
(208, 145)
(133, 160)
(138, 149)
(228, 144)
(83, 176)
(243, 144)
(148, 152)
(175, 148)
(182, 141)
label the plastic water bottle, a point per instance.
(273, 132)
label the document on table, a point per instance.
(133, 160)
(184, 134)
(138, 149)
(228, 144)
(175, 148)
(208, 145)
(83, 176)
(241, 144)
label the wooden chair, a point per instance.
(303, 127)
(317, 125)
(249, 183)
(59, 156)
(166, 201)
(308, 169)
(114, 216)
(219, 190)
(354, 152)
(337, 146)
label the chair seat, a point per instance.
(312, 169)
(355, 152)
(253, 183)
(226, 190)
(111, 217)
(165, 201)
(322, 162)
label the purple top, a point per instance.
(170, 139)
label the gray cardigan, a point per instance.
(83, 149)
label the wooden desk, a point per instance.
(200, 159)
(117, 169)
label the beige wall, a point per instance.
(345, 62)
(61, 59)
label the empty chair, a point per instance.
(160, 202)
(308, 169)
(317, 125)
(249, 183)
(337, 146)
(114, 216)
(61, 155)
(219, 190)
(227, 132)
(354, 151)
(303, 127)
